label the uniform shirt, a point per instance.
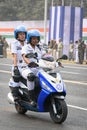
(28, 49)
(71, 47)
(60, 46)
(16, 48)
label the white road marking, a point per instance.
(69, 72)
(76, 67)
(75, 82)
(5, 64)
(77, 107)
(3, 71)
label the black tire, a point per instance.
(20, 109)
(62, 111)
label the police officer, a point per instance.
(20, 34)
(71, 50)
(5, 46)
(59, 48)
(81, 51)
(30, 68)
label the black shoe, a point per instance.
(32, 98)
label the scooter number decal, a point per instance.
(59, 87)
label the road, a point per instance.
(75, 77)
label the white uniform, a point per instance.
(26, 70)
(76, 53)
(16, 48)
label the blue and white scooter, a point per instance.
(50, 92)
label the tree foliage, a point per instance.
(31, 9)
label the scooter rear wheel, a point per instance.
(20, 109)
(61, 111)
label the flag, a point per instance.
(66, 23)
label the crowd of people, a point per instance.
(4, 45)
(77, 50)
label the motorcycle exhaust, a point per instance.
(10, 98)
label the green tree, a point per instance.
(31, 9)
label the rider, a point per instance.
(30, 68)
(20, 34)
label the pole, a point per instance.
(81, 3)
(52, 2)
(45, 21)
(62, 2)
(70, 2)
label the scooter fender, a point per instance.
(46, 90)
(41, 100)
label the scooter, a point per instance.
(49, 90)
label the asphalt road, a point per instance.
(75, 77)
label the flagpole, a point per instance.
(52, 2)
(45, 20)
(70, 2)
(81, 3)
(62, 2)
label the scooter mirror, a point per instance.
(64, 57)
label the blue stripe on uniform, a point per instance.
(61, 27)
(55, 23)
(81, 22)
(72, 22)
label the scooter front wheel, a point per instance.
(20, 109)
(58, 110)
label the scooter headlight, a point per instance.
(45, 86)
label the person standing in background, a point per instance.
(51, 44)
(59, 48)
(5, 46)
(86, 52)
(71, 50)
(54, 50)
(1, 46)
(76, 51)
(0, 38)
(81, 51)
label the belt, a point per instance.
(23, 67)
(20, 61)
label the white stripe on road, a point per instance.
(75, 82)
(6, 64)
(3, 71)
(76, 107)
(77, 67)
(69, 72)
